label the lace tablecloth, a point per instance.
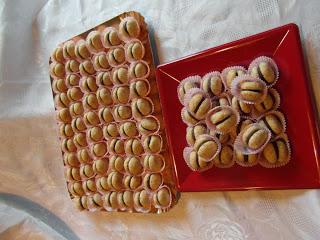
(30, 160)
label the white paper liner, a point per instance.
(128, 55)
(156, 202)
(196, 80)
(213, 74)
(104, 32)
(212, 126)
(276, 97)
(132, 66)
(226, 70)
(99, 67)
(189, 96)
(133, 93)
(272, 63)
(219, 164)
(279, 116)
(240, 146)
(123, 36)
(186, 156)
(115, 63)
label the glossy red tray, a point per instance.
(284, 46)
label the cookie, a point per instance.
(90, 101)
(89, 186)
(102, 184)
(153, 163)
(133, 166)
(276, 151)
(110, 131)
(110, 37)
(254, 136)
(93, 40)
(72, 66)
(152, 181)
(105, 115)
(141, 107)
(80, 139)
(225, 156)
(99, 149)
(81, 50)
(81, 202)
(116, 146)
(100, 62)
(88, 84)
(86, 68)
(128, 129)
(71, 159)
(129, 28)
(84, 156)
(73, 174)
(86, 171)
(270, 102)
(134, 50)
(246, 158)
(132, 182)
(122, 112)
(138, 69)
(162, 198)
(206, 147)
(265, 72)
(61, 100)
(115, 180)
(76, 109)
(57, 69)
(240, 106)
(273, 121)
(91, 118)
(63, 115)
(196, 162)
(142, 200)
(242, 124)
(139, 88)
(223, 100)
(96, 201)
(76, 189)
(152, 143)
(148, 125)
(231, 75)
(78, 125)
(116, 56)
(104, 97)
(117, 163)
(95, 134)
(133, 146)
(59, 86)
(69, 50)
(67, 145)
(212, 84)
(188, 118)
(120, 75)
(72, 79)
(111, 200)
(222, 119)
(57, 55)
(121, 94)
(252, 91)
(193, 132)
(199, 105)
(223, 138)
(186, 85)
(74, 93)
(104, 79)
(125, 199)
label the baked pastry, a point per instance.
(231, 75)
(252, 91)
(116, 146)
(86, 68)
(111, 200)
(264, 71)
(69, 50)
(63, 115)
(242, 124)
(120, 94)
(128, 129)
(141, 107)
(152, 181)
(199, 105)
(223, 101)
(225, 156)
(139, 88)
(224, 119)
(110, 37)
(76, 109)
(72, 79)
(129, 28)
(105, 115)
(115, 180)
(86, 171)
(72, 66)
(89, 186)
(81, 50)
(125, 199)
(273, 121)
(104, 79)
(100, 61)
(91, 118)
(95, 134)
(223, 138)
(100, 166)
(61, 100)
(193, 132)
(80, 139)
(90, 101)
(162, 197)
(58, 85)
(102, 184)
(138, 69)
(99, 149)
(246, 158)
(148, 125)
(81, 202)
(212, 84)
(142, 200)
(132, 182)
(133, 146)
(240, 106)
(153, 163)
(255, 136)
(88, 84)
(74, 93)
(117, 163)
(76, 189)
(134, 50)
(206, 147)
(186, 85)
(152, 143)
(73, 174)
(84, 156)
(96, 201)
(122, 112)
(71, 159)
(78, 125)
(104, 97)
(188, 118)
(57, 69)
(270, 102)
(276, 151)
(110, 131)
(94, 41)
(133, 166)
(57, 55)
(120, 75)
(116, 56)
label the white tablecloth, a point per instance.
(30, 158)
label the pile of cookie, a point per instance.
(233, 117)
(110, 136)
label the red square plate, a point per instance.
(284, 46)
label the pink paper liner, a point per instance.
(190, 94)
(141, 209)
(266, 164)
(123, 37)
(133, 95)
(65, 53)
(85, 73)
(127, 45)
(225, 72)
(146, 149)
(92, 206)
(247, 78)
(280, 116)
(115, 116)
(148, 170)
(199, 123)
(211, 74)
(246, 164)
(219, 165)
(212, 126)
(69, 71)
(52, 74)
(102, 121)
(186, 154)
(276, 96)
(185, 120)
(97, 67)
(86, 190)
(100, 83)
(125, 136)
(110, 151)
(192, 79)
(260, 59)
(149, 190)
(68, 83)
(155, 202)
(141, 117)
(89, 140)
(115, 82)
(133, 64)
(101, 103)
(83, 176)
(116, 101)
(106, 206)
(108, 137)
(79, 58)
(93, 50)
(239, 145)
(53, 58)
(106, 30)
(126, 208)
(111, 49)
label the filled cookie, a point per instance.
(139, 69)
(231, 74)
(186, 85)
(86, 171)
(57, 69)
(84, 156)
(74, 93)
(90, 101)
(121, 94)
(95, 134)
(206, 147)
(76, 189)
(71, 159)
(270, 102)
(134, 50)
(91, 118)
(59, 86)
(105, 115)
(222, 119)
(110, 200)
(69, 50)
(116, 56)
(102, 184)
(199, 105)
(128, 129)
(81, 50)
(57, 55)
(265, 71)
(86, 68)
(72, 66)
(120, 75)
(246, 158)
(116, 146)
(115, 180)
(117, 163)
(67, 145)
(96, 201)
(133, 146)
(129, 28)
(225, 157)
(276, 151)
(89, 186)
(162, 198)
(240, 106)
(73, 174)
(61, 100)
(132, 182)
(153, 162)
(223, 100)
(242, 124)
(100, 166)
(72, 79)
(152, 181)
(141, 107)
(193, 132)
(139, 88)
(110, 37)
(152, 143)
(104, 79)
(64, 116)
(76, 109)
(81, 202)
(212, 84)
(148, 125)
(110, 131)
(80, 139)
(100, 62)
(142, 200)
(274, 122)
(188, 118)
(122, 112)
(250, 90)
(99, 149)
(254, 136)
(93, 41)
(104, 96)
(125, 199)
(133, 166)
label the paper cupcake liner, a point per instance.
(69, 85)
(133, 93)
(225, 72)
(247, 164)
(211, 74)
(235, 90)
(131, 69)
(156, 202)
(212, 126)
(186, 154)
(114, 81)
(152, 109)
(52, 74)
(264, 163)
(185, 120)
(146, 149)
(126, 46)
(64, 51)
(79, 58)
(98, 67)
(105, 31)
(192, 79)
(151, 133)
(273, 64)
(123, 37)
(92, 49)
(148, 170)
(190, 94)
(276, 96)
(230, 164)
(114, 88)
(280, 116)
(115, 64)
(240, 146)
